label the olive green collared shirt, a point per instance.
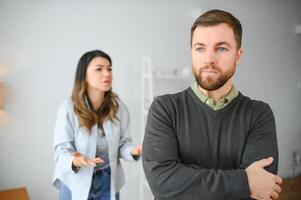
(223, 102)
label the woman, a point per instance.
(91, 134)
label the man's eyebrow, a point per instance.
(223, 43)
(217, 44)
(199, 44)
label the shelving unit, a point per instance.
(155, 84)
(147, 95)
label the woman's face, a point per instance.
(99, 75)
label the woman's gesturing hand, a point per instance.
(80, 160)
(137, 151)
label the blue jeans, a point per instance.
(100, 187)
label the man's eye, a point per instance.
(221, 49)
(200, 49)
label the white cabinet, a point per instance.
(157, 82)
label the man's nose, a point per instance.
(210, 58)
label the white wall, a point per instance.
(41, 42)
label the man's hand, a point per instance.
(263, 184)
(80, 160)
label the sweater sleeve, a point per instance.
(169, 178)
(262, 140)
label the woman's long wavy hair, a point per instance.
(86, 115)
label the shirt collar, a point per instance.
(209, 101)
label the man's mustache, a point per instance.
(209, 67)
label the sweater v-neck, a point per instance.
(207, 108)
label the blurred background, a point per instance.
(41, 42)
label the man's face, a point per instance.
(214, 55)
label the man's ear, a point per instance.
(238, 55)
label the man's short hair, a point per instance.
(215, 17)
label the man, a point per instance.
(210, 141)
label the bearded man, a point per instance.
(210, 141)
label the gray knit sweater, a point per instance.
(191, 152)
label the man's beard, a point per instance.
(210, 83)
